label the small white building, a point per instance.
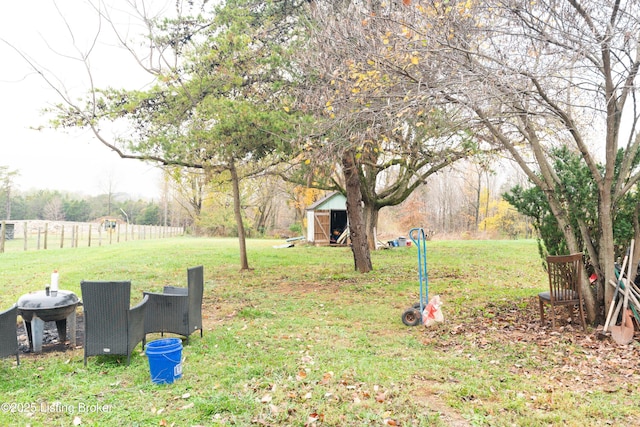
(325, 217)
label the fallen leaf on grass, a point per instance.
(77, 421)
(326, 377)
(260, 421)
(314, 418)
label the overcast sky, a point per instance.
(48, 159)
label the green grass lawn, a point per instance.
(302, 339)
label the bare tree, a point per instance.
(6, 185)
(53, 210)
(188, 188)
(538, 75)
(108, 186)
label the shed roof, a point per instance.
(325, 200)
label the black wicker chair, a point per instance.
(110, 325)
(9, 333)
(177, 310)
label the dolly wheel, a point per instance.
(411, 317)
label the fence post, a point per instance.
(26, 234)
(62, 237)
(46, 234)
(2, 228)
(90, 235)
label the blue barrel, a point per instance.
(165, 360)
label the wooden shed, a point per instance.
(325, 217)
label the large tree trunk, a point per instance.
(371, 213)
(569, 234)
(235, 183)
(606, 255)
(357, 231)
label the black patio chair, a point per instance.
(9, 333)
(110, 325)
(177, 310)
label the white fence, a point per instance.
(39, 235)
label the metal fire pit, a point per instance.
(38, 307)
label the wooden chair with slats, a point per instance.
(565, 275)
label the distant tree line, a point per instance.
(59, 206)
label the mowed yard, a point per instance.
(303, 340)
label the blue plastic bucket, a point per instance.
(165, 360)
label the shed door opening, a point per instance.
(338, 220)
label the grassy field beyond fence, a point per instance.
(31, 235)
(303, 340)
